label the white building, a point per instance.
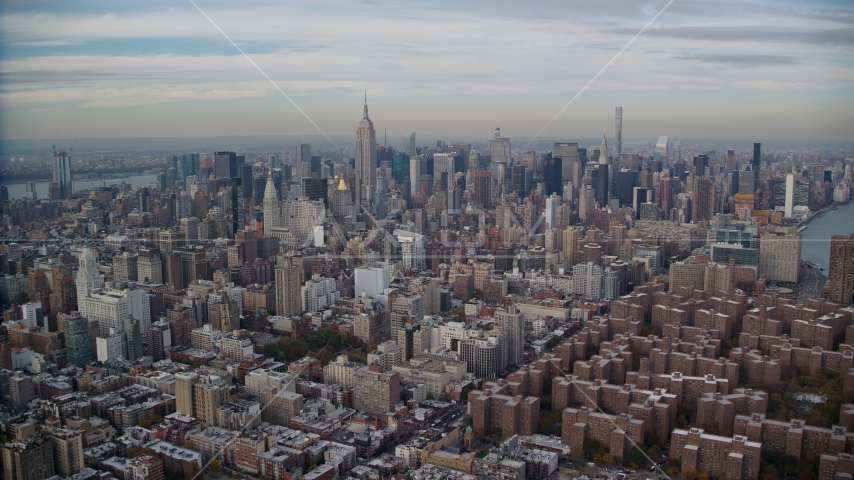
(318, 293)
(110, 306)
(372, 280)
(387, 355)
(111, 347)
(587, 280)
(412, 253)
(33, 315)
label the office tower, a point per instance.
(379, 197)
(517, 180)
(790, 195)
(245, 173)
(624, 183)
(303, 155)
(498, 148)
(28, 459)
(840, 271)
(272, 212)
(565, 154)
(67, 450)
(366, 156)
(586, 201)
(553, 175)
(552, 202)
(88, 277)
(702, 200)
(747, 181)
(700, 164)
(30, 190)
(144, 467)
(225, 165)
(415, 165)
(62, 174)
(78, 340)
(662, 150)
(730, 159)
(316, 189)
(275, 161)
(288, 283)
(409, 145)
(63, 299)
(677, 151)
(756, 163)
(483, 189)
(618, 132)
(664, 194)
(780, 254)
(400, 167)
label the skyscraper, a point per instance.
(618, 132)
(757, 159)
(62, 174)
(498, 148)
(703, 200)
(78, 340)
(790, 195)
(288, 283)
(366, 156)
(840, 271)
(409, 145)
(566, 154)
(483, 188)
(225, 165)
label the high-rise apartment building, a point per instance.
(703, 200)
(512, 326)
(125, 267)
(67, 450)
(366, 156)
(840, 271)
(618, 132)
(756, 163)
(28, 459)
(288, 283)
(144, 467)
(780, 254)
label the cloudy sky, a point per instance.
(703, 69)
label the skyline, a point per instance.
(727, 71)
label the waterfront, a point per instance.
(17, 190)
(816, 238)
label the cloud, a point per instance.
(740, 59)
(751, 33)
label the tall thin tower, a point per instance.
(366, 156)
(618, 132)
(62, 173)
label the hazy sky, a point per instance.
(742, 69)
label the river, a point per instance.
(816, 238)
(17, 190)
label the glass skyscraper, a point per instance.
(78, 342)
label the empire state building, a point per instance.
(366, 156)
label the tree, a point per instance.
(192, 471)
(636, 457)
(145, 423)
(22, 298)
(270, 350)
(188, 444)
(215, 465)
